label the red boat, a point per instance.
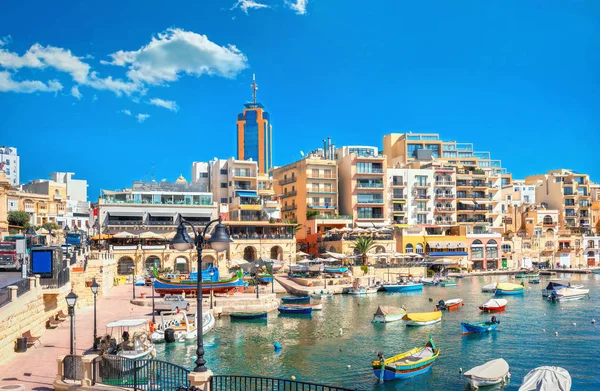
(449, 305)
(494, 305)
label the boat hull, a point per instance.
(492, 309)
(248, 316)
(469, 328)
(357, 292)
(475, 384)
(448, 284)
(336, 269)
(403, 288)
(164, 286)
(426, 323)
(296, 300)
(295, 310)
(500, 292)
(387, 318)
(390, 374)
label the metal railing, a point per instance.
(4, 296)
(139, 374)
(72, 367)
(22, 286)
(253, 383)
(62, 278)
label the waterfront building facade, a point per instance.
(10, 163)
(518, 193)
(591, 250)
(255, 134)
(484, 251)
(42, 208)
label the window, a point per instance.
(506, 248)
(477, 249)
(412, 149)
(419, 248)
(491, 249)
(224, 200)
(223, 185)
(409, 248)
(203, 175)
(223, 171)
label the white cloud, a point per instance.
(75, 92)
(245, 5)
(7, 83)
(167, 104)
(5, 40)
(142, 117)
(177, 52)
(299, 6)
(126, 112)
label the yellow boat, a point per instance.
(422, 318)
(414, 362)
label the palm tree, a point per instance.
(363, 244)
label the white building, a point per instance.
(411, 198)
(201, 174)
(10, 164)
(591, 250)
(76, 188)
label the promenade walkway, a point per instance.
(36, 369)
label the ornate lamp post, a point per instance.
(153, 279)
(211, 273)
(133, 279)
(182, 241)
(94, 287)
(256, 265)
(71, 299)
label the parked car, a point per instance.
(172, 303)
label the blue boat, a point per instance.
(286, 309)
(508, 289)
(335, 269)
(248, 315)
(408, 364)
(534, 281)
(295, 299)
(403, 287)
(480, 327)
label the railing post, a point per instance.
(59, 372)
(87, 361)
(201, 380)
(32, 283)
(134, 374)
(13, 293)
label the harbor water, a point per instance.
(315, 350)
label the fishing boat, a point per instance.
(459, 276)
(290, 309)
(265, 278)
(429, 281)
(555, 285)
(534, 281)
(295, 299)
(182, 326)
(597, 271)
(449, 305)
(403, 287)
(136, 346)
(314, 266)
(494, 305)
(315, 307)
(422, 318)
(480, 327)
(528, 275)
(320, 295)
(489, 287)
(507, 288)
(335, 269)
(569, 294)
(447, 284)
(387, 314)
(298, 269)
(173, 284)
(547, 378)
(363, 290)
(248, 315)
(491, 373)
(411, 363)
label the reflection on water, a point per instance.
(314, 350)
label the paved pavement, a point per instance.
(7, 278)
(36, 368)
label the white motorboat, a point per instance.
(569, 294)
(136, 346)
(547, 379)
(387, 314)
(491, 373)
(363, 290)
(489, 287)
(298, 269)
(429, 281)
(183, 326)
(320, 295)
(555, 285)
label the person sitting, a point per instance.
(126, 344)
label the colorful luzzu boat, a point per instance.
(412, 363)
(506, 288)
(422, 318)
(174, 285)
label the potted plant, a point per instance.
(88, 283)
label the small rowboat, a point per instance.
(387, 314)
(534, 281)
(403, 287)
(422, 318)
(547, 378)
(295, 299)
(480, 327)
(506, 288)
(489, 287)
(248, 315)
(429, 281)
(447, 284)
(315, 307)
(290, 309)
(491, 373)
(527, 275)
(362, 291)
(494, 305)
(449, 305)
(320, 295)
(411, 363)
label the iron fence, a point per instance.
(252, 383)
(62, 278)
(22, 286)
(138, 374)
(72, 367)
(4, 296)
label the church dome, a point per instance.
(181, 179)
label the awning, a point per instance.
(123, 213)
(162, 214)
(483, 202)
(446, 244)
(151, 235)
(464, 202)
(371, 225)
(246, 193)
(192, 214)
(335, 255)
(124, 235)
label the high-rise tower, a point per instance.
(255, 134)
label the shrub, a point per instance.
(430, 273)
(365, 269)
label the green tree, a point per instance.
(311, 213)
(50, 226)
(18, 218)
(363, 244)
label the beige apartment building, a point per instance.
(569, 193)
(363, 185)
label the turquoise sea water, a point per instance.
(313, 349)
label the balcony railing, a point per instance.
(371, 171)
(444, 195)
(369, 216)
(371, 201)
(445, 183)
(331, 217)
(244, 187)
(289, 194)
(327, 205)
(369, 185)
(286, 208)
(442, 210)
(320, 176)
(287, 180)
(62, 278)
(398, 183)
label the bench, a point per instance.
(61, 316)
(52, 323)
(31, 340)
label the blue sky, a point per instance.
(108, 89)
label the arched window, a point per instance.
(277, 253)
(491, 249)
(438, 205)
(379, 249)
(477, 250)
(409, 248)
(125, 266)
(506, 248)
(181, 265)
(250, 254)
(448, 205)
(151, 263)
(549, 244)
(548, 219)
(419, 248)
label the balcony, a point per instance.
(398, 196)
(442, 196)
(445, 210)
(289, 194)
(398, 183)
(153, 222)
(320, 176)
(330, 217)
(243, 173)
(360, 185)
(445, 222)
(421, 185)
(378, 201)
(445, 184)
(375, 216)
(421, 196)
(244, 187)
(400, 221)
(463, 184)
(371, 171)
(271, 204)
(479, 184)
(286, 208)
(322, 205)
(285, 181)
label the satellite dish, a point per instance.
(301, 153)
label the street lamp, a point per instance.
(219, 241)
(71, 299)
(94, 287)
(212, 273)
(153, 279)
(256, 265)
(133, 279)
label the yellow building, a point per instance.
(42, 208)
(308, 190)
(447, 249)
(569, 193)
(4, 189)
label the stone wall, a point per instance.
(103, 269)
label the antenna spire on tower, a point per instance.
(254, 88)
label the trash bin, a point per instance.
(21, 345)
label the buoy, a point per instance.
(341, 331)
(556, 333)
(593, 320)
(293, 377)
(349, 366)
(277, 346)
(459, 370)
(574, 324)
(544, 330)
